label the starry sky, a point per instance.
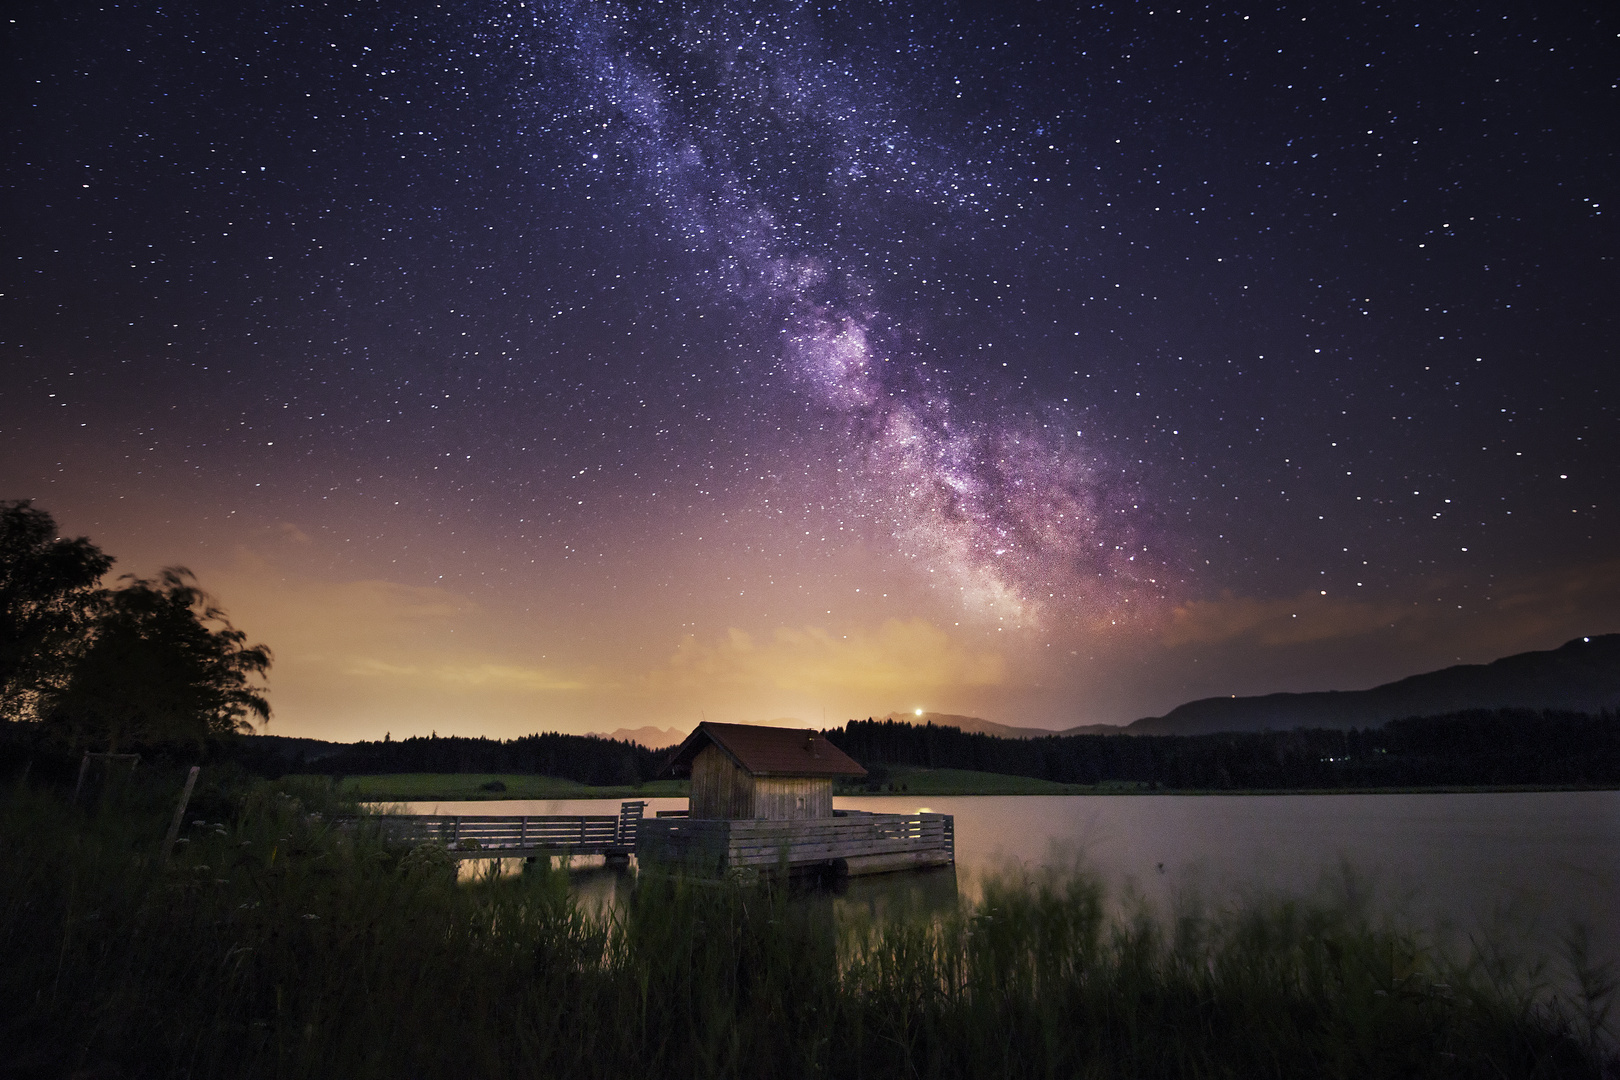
(572, 366)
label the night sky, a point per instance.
(511, 366)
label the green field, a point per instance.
(908, 780)
(457, 787)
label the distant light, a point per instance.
(919, 712)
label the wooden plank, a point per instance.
(874, 841)
(583, 834)
(883, 840)
(820, 836)
(826, 849)
(842, 828)
(536, 852)
(926, 856)
(820, 853)
(882, 864)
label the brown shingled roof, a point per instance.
(765, 751)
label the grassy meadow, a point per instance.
(472, 787)
(914, 780)
(276, 943)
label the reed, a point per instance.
(275, 944)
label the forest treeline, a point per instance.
(585, 759)
(1474, 748)
(1481, 747)
(1467, 749)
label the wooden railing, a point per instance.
(483, 835)
(923, 839)
(929, 838)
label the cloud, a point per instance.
(367, 656)
(1290, 621)
(357, 658)
(1582, 588)
(897, 657)
(487, 676)
(1507, 613)
(330, 620)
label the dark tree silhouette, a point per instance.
(49, 599)
(163, 665)
(1475, 747)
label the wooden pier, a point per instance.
(844, 845)
(485, 836)
(850, 843)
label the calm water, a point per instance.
(1521, 865)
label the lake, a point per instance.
(1522, 866)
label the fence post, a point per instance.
(84, 766)
(179, 811)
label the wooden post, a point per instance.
(179, 812)
(84, 767)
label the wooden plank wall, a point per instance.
(791, 798)
(720, 790)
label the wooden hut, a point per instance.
(761, 801)
(777, 774)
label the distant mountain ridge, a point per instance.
(657, 738)
(1582, 675)
(980, 726)
(653, 738)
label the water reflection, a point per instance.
(1518, 866)
(880, 897)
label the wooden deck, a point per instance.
(484, 836)
(849, 844)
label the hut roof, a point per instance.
(765, 751)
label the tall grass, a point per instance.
(274, 944)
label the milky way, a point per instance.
(1086, 358)
(1015, 512)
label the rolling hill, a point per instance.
(1582, 676)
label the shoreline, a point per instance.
(470, 787)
